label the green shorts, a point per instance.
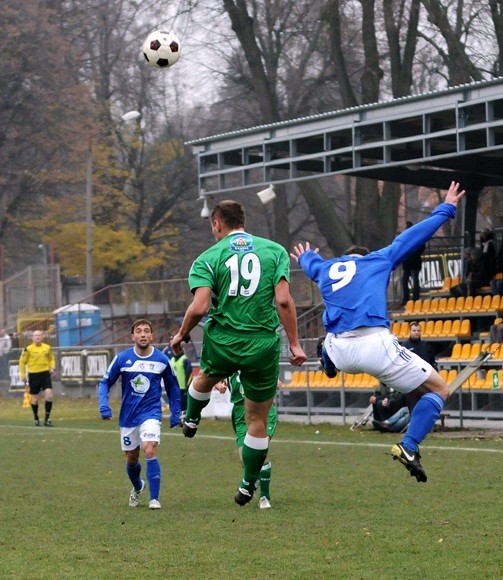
(239, 422)
(255, 355)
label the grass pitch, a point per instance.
(341, 507)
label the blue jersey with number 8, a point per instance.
(354, 288)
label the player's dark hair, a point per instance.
(360, 250)
(137, 323)
(230, 212)
(414, 323)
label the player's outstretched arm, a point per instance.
(299, 249)
(453, 194)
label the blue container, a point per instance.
(78, 325)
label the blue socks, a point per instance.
(422, 420)
(153, 477)
(134, 475)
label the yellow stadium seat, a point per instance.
(425, 306)
(317, 379)
(456, 351)
(470, 381)
(451, 303)
(446, 328)
(336, 382)
(475, 350)
(495, 302)
(459, 305)
(477, 303)
(465, 351)
(437, 328)
(444, 374)
(488, 382)
(453, 373)
(369, 382)
(422, 325)
(497, 349)
(447, 284)
(486, 303)
(468, 305)
(442, 305)
(434, 304)
(409, 306)
(456, 325)
(357, 381)
(465, 329)
(310, 378)
(294, 380)
(428, 329)
(301, 380)
(418, 305)
(347, 379)
(395, 328)
(404, 331)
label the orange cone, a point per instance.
(26, 399)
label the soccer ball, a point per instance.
(161, 49)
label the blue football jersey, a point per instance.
(141, 379)
(354, 289)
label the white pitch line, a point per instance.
(47, 431)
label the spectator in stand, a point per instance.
(496, 332)
(5, 348)
(497, 283)
(422, 348)
(480, 267)
(390, 411)
(411, 266)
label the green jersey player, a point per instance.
(233, 383)
(243, 282)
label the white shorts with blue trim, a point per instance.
(375, 350)
(132, 437)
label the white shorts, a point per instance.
(132, 437)
(377, 352)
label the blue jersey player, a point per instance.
(359, 340)
(142, 370)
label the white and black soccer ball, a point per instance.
(161, 49)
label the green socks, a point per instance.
(196, 402)
(254, 453)
(265, 480)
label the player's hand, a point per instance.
(175, 422)
(299, 249)
(176, 342)
(453, 194)
(106, 413)
(298, 356)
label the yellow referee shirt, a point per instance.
(37, 358)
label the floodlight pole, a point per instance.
(89, 220)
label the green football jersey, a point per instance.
(242, 270)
